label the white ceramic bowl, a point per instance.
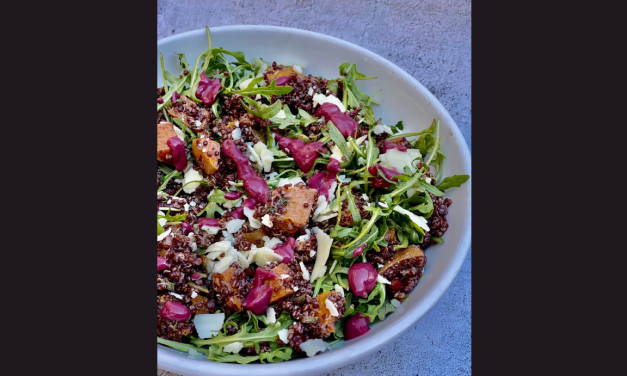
(401, 98)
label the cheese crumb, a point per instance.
(305, 271)
(266, 220)
(331, 307)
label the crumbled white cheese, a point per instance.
(312, 253)
(313, 346)
(191, 176)
(261, 156)
(271, 315)
(297, 69)
(295, 288)
(272, 175)
(164, 235)
(339, 289)
(310, 92)
(266, 220)
(283, 335)
(234, 225)
(304, 270)
(380, 265)
(303, 238)
(331, 307)
(194, 294)
(236, 134)
(234, 347)
(284, 276)
(382, 279)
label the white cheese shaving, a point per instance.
(271, 315)
(336, 153)
(312, 253)
(292, 181)
(331, 307)
(280, 115)
(254, 222)
(395, 303)
(284, 276)
(320, 99)
(266, 220)
(262, 256)
(228, 237)
(297, 69)
(324, 249)
(283, 335)
(339, 289)
(162, 221)
(234, 225)
(208, 325)
(397, 159)
(234, 347)
(176, 295)
(164, 235)
(191, 176)
(378, 129)
(194, 294)
(310, 91)
(381, 279)
(236, 134)
(179, 133)
(313, 346)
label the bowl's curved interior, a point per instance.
(401, 98)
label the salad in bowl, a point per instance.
(288, 216)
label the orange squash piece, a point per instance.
(164, 132)
(273, 75)
(279, 290)
(296, 215)
(207, 154)
(227, 279)
(255, 237)
(413, 251)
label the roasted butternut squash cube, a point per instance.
(164, 132)
(195, 118)
(273, 75)
(323, 314)
(207, 154)
(295, 216)
(280, 290)
(228, 279)
(390, 235)
(201, 304)
(255, 237)
(413, 251)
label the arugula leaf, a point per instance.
(183, 64)
(437, 239)
(244, 335)
(453, 181)
(349, 71)
(262, 111)
(266, 91)
(340, 141)
(306, 119)
(289, 119)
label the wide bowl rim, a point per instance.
(171, 361)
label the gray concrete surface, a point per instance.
(430, 39)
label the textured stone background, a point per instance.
(430, 39)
